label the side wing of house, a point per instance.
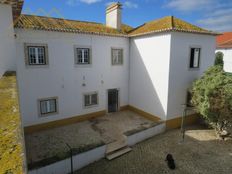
(149, 72)
(7, 42)
(66, 79)
(227, 58)
(191, 55)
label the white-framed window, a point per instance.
(117, 56)
(36, 54)
(48, 106)
(83, 56)
(195, 57)
(90, 99)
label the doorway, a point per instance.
(113, 100)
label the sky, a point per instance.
(214, 15)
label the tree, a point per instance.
(219, 59)
(212, 98)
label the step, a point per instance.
(116, 145)
(118, 153)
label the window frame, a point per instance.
(117, 64)
(76, 63)
(35, 45)
(48, 113)
(90, 94)
(199, 57)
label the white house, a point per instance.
(224, 45)
(74, 69)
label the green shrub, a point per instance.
(219, 59)
(212, 98)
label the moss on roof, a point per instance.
(168, 23)
(165, 24)
(11, 141)
(64, 25)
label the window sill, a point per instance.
(48, 114)
(83, 65)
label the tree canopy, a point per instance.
(212, 98)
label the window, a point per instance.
(83, 56)
(48, 106)
(117, 56)
(195, 57)
(90, 99)
(36, 54)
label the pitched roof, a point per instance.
(167, 24)
(17, 6)
(64, 25)
(224, 40)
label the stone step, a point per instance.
(118, 153)
(116, 145)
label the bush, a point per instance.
(212, 98)
(219, 59)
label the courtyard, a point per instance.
(49, 146)
(200, 153)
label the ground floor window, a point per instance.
(90, 99)
(48, 106)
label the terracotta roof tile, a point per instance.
(168, 23)
(64, 25)
(165, 24)
(224, 40)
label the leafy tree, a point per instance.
(219, 59)
(212, 98)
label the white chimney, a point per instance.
(113, 15)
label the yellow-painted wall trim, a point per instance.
(144, 114)
(63, 122)
(176, 122)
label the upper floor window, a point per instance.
(36, 54)
(117, 56)
(90, 99)
(48, 106)
(82, 55)
(195, 57)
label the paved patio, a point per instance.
(50, 145)
(201, 153)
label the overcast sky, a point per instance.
(210, 14)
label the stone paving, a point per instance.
(200, 153)
(51, 144)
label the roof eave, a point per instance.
(175, 30)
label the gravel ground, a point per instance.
(200, 153)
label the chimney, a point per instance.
(113, 15)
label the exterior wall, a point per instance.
(63, 79)
(149, 71)
(7, 41)
(227, 58)
(181, 77)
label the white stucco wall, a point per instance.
(227, 58)
(181, 77)
(149, 71)
(7, 42)
(64, 79)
